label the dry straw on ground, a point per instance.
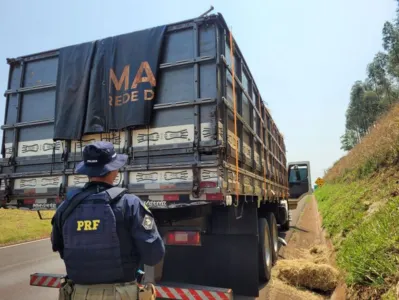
(307, 274)
(380, 145)
(320, 254)
(279, 290)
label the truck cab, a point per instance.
(299, 181)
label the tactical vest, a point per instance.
(98, 246)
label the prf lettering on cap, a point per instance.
(87, 225)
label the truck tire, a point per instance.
(285, 226)
(282, 214)
(265, 251)
(271, 220)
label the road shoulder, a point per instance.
(305, 234)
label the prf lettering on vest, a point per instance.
(87, 225)
(129, 93)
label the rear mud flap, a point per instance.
(225, 261)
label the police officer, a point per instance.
(103, 234)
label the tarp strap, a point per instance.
(264, 144)
(148, 147)
(235, 114)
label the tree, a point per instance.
(376, 94)
(378, 76)
(390, 42)
(373, 107)
(356, 118)
(348, 140)
(363, 110)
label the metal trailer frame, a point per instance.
(253, 119)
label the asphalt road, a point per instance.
(19, 261)
(295, 215)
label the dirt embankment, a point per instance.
(304, 270)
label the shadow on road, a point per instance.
(299, 229)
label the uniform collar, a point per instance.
(101, 185)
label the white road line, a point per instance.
(25, 243)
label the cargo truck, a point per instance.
(204, 152)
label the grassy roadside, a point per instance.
(360, 209)
(362, 219)
(21, 226)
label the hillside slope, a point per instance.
(360, 209)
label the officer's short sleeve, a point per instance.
(56, 236)
(57, 240)
(144, 231)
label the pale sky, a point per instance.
(304, 55)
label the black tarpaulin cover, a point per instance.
(108, 84)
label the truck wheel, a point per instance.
(285, 226)
(265, 251)
(271, 220)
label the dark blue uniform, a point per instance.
(105, 242)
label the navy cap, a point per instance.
(100, 158)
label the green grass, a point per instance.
(21, 226)
(367, 243)
(341, 208)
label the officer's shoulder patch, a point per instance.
(148, 222)
(146, 207)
